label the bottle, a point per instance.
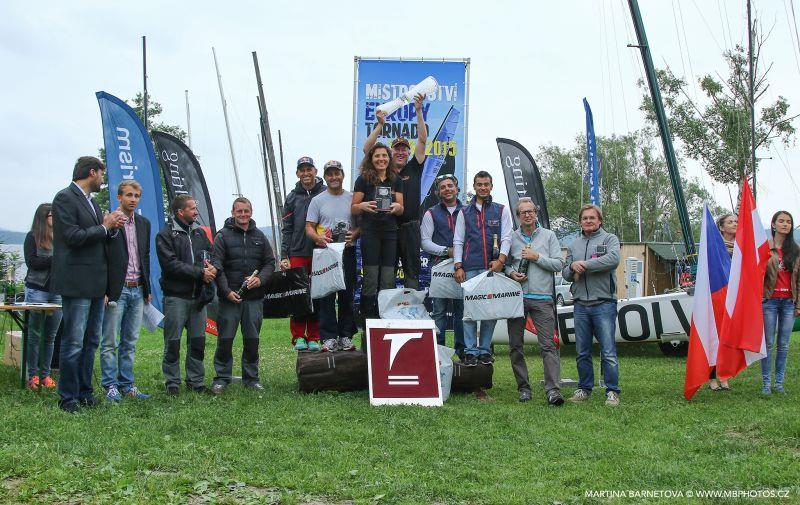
(243, 288)
(495, 248)
(523, 266)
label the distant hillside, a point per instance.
(12, 237)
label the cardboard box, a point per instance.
(12, 351)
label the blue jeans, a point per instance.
(778, 312)
(116, 356)
(83, 325)
(440, 306)
(599, 321)
(472, 345)
(50, 329)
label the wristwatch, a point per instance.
(444, 251)
(457, 266)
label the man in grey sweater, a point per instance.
(536, 255)
(591, 266)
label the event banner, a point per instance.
(183, 176)
(378, 81)
(522, 178)
(592, 163)
(130, 156)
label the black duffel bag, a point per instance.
(332, 371)
(467, 379)
(287, 293)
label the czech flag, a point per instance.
(742, 338)
(708, 307)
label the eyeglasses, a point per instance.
(526, 212)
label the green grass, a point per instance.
(282, 446)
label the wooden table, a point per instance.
(14, 310)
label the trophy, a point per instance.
(383, 197)
(425, 87)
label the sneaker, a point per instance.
(330, 345)
(112, 394)
(612, 399)
(89, 402)
(346, 344)
(524, 396)
(778, 388)
(217, 389)
(49, 383)
(766, 390)
(486, 359)
(313, 345)
(197, 389)
(173, 390)
(300, 344)
(33, 383)
(555, 399)
(255, 386)
(134, 392)
(471, 360)
(580, 395)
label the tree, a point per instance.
(717, 131)
(154, 110)
(631, 166)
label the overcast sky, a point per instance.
(531, 64)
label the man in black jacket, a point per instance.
(128, 291)
(245, 260)
(79, 275)
(184, 253)
(297, 249)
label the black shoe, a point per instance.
(471, 360)
(486, 359)
(555, 399)
(524, 396)
(197, 389)
(173, 390)
(255, 386)
(69, 407)
(90, 402)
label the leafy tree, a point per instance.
(716, 130)
(154, 110)
(631, 166)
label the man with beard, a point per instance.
(297, 249)
(244, 257)
(80, 275)
(330, 219)
(184, 253)
(438, 226)
(410, 173)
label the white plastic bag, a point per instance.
(445, 356)
(443, 282)
(491, 296)
(402, 304)
(327, 274)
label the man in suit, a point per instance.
(128, 291)
(80, 275)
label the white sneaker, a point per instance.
(346, 344)
(330, 345)
(612, 399)
(580, 395)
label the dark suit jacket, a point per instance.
(79, 267)
(118, 258)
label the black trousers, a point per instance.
(409, 242)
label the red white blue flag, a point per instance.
(708, 308)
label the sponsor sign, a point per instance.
(402, 360)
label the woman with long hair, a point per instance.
(38, 250)
(378, 199)
(781, 302)
(727, 224)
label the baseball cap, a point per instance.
(332, 165)
(305, 160)
(400, 141)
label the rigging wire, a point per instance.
(710, 31)
(793, 33)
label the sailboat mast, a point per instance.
(144, 78)
(663, 127)
(283, 170)
(752, 95)
(227, 125)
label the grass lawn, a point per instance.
(281, 446)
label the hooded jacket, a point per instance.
(180, 256)
(600, 251)
(237, 253)
(294, 241)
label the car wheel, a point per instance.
(674, 349)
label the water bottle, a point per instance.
(425, 87)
